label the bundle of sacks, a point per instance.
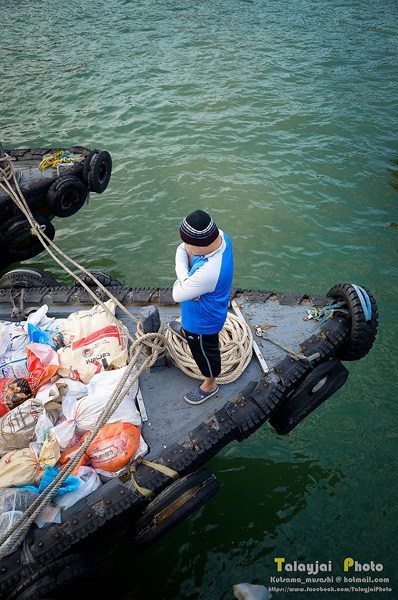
(56, 376)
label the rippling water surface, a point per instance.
(279, 118)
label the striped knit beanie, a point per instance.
(198, 229)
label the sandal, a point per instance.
(176, 328)
(198, 396)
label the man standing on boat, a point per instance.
(204, 267)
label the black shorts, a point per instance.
(206, 352)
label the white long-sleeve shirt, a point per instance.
(210, 279)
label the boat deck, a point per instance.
(170, 418)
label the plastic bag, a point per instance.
(15, 336)
(43, 426)
(107, 475)
(42, 320)
(13, 392)
(51, 393)
(17, 427)
(37, 335)
(89, 482)
(82, 415)
(47, 476)
(114, 446)
(13, 503)
(14, 364)
(43, 363)
(50, 452)
(67, 455)
(20, 467)
(94, 343)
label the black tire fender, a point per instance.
(321, 383)
(18, 240)
(100, 169)
(362, 333)
(86, 167)
(172, 506)
(62, 576)
(25, 277)
(66, 196)
(104, 278)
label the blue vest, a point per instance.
(207, 315)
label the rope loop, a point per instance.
(153, 341)
(7, 171)
(37, 229)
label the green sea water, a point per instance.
(280, 118)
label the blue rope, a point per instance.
(365, 301)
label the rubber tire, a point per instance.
(303, 401)
(26, 277)
(100, 172)
(146, 531)
(86, 167)
(19, 226)
(362, 333)
(104, 278)
(61, 578)
(66, 196)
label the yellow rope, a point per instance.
(174, 475)
(57, 157)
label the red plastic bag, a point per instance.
(13, 392)
(114, 446)
(43, 363)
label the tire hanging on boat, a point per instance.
(172, 506)
(86, 167)
(20, 244)
(97, 170)
(27, 277)
(321, 383)
(363, 332)
(104, 278)
(66, 196)
(61, 577)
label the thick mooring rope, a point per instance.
(6, 168)
(236, 350)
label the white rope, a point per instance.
(236, 347)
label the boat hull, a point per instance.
(182, 437)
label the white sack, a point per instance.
(94, 342)
(81, 415)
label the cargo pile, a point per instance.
(56, 376)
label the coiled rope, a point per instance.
(236, 348)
